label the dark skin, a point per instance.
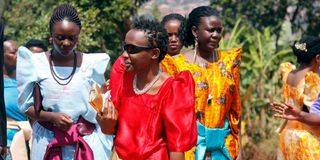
(285, 111)
(36, 49)
(10, 59)
(209, 34)
(145, 65)
(65, 38)
(175, 44)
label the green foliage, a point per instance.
(104, 22)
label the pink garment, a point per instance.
(73, 136)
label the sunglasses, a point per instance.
(133, 49)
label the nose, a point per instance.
(174, 38)
(66, 42)
(125, 54)
(216, 34)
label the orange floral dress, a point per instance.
(217, 94)
(299, 141)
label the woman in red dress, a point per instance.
(151, 113)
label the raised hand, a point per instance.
(108, 118)
(285, 111)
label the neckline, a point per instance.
(158, 92)
(48, 63)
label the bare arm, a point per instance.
(59, 120)
(176, 155)
(288, 112)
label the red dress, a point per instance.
(151, 126)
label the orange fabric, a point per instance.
(296, 140)
(221, 81)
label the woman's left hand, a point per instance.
(285, 111)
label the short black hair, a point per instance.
(194, 20)
(156, 34)
(306, 49)
(36, 43)
(64, 12)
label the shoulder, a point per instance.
(96, 57)
(287, 67)
(231, 55)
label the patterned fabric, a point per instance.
(217, 93)
(71, 99)
(298, 140)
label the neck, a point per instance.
(63, 60)
(8, 74)
(206, 55)
(146, 76)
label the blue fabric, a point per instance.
(11, 99)
(315, 107)
(71, 99)
(212, 140)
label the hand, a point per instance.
(61, 121)
(3, 151)
(108, 118)
(106, 86)
(285, 111)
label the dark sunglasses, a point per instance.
(133, 49)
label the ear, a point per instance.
(155, 53)
(194, 30)
(318, 59)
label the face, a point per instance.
(209, 33)
(137, 54)
(175, 44)
(36, 49)
(10, 53)
(65, 37)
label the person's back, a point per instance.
(300, 89)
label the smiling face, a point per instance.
(138, 55)
(65, 37)
(209, 33)
(175, 44)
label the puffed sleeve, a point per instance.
(179, 114)
(285, 69)
(26, 78)
(116, 81)
(168, 65)
(312, 89)
(97, 67)
(235, 109)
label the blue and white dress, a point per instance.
(71, 99)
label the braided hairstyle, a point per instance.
(178, 17)
(194, 20)
(156, 34)
(306, 49)
(64, 12)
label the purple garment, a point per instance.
(315, 107)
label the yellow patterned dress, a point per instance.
(218, 105)
(299, 141)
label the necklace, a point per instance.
(147, 87)
(55, 75)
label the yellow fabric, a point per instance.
(297, 141)
(218, 81)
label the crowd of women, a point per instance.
(160, 103)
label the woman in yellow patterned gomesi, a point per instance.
(216, 75)
(299, 136)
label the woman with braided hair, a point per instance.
(65, 126)
(156, 118)
(299, 136)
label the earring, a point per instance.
(195, 49)
(50, 40)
